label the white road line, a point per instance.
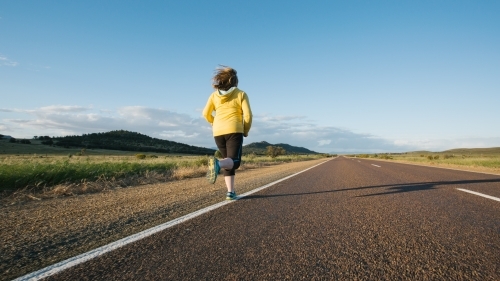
(479, 194)
(63, 265)
(375, 165)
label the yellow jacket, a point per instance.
(232, 112)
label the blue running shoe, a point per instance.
(231, 196)
(213, 169)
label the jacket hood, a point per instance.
(226, 95)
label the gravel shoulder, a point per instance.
(40, 233)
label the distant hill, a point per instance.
(128, 141)
(260, 148)
(462, 151)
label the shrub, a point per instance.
(140, 156)
(436, 157)
(251, 156)
(152, 156)
(274, 151)
(430, 157)
(201, 161)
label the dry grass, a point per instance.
(113, 172)
(38, 233)
(484, 164)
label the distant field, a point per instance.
(481, 159)
(39, 167)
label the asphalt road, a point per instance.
(346, 219)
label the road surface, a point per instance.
(345, 219)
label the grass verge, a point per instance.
(34, 177)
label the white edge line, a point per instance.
(439, 167)
(375, 165)
(479, 194)
(63, 265)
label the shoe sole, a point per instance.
(211, 174)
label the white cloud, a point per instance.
(268, 118)
(177, 134)
(300, 132)
(7, 62)
(58, 109)
(324, 142)
(60, 120)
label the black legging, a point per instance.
(230, 145)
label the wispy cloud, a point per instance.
(7, 62)
(60, 120)
(324, 142)
(302, 132)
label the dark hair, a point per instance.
(224, 78)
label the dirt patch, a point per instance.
(38, 233)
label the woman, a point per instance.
(232, 122)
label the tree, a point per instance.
(274, 151)
(48, 142)
(12, 140)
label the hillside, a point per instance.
(260, 148)
(128, 141)
(490, 150)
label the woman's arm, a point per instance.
(247, 114)
(207, 111)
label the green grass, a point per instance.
(25, 174)
(48, 166)
(18, 172)
(463, 157)
(490, 161)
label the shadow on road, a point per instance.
(391, 188)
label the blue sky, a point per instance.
(332, 76)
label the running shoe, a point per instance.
(231, 196)
(213, 169)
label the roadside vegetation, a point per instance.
(485, 159)
(80, 171)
